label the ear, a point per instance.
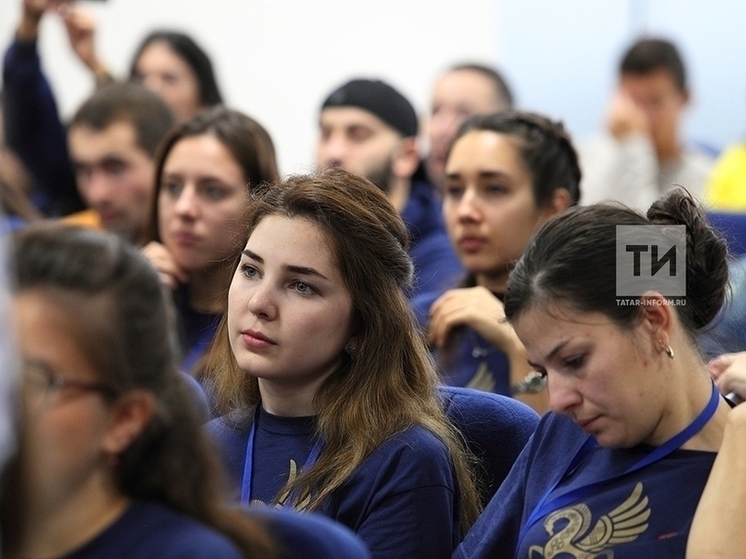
(406, 158)
(657, 318)
(686, 98)
(560, 201)
(130, 414)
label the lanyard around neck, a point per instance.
(248, 470)
(545, 506)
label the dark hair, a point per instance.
(571, 261)
(503, 94)
(118, 313)
(651, 54)
(149, 114)
(545, 149)
(248, 141)
(391, 369)
(188, 50)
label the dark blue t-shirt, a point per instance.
(645, 514)
(402, 501)
(475, 363)
(153, 531)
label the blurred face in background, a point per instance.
(201, 198)
(359, 142)
(456, 96)
(165, 72)
(662, 102)
(114, 175)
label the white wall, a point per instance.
(277, 59)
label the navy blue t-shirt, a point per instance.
(646, 514)
(153, 531)
(402, 501)
(475, 363)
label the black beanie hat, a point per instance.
(378, 98)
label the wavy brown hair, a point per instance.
(391, 370)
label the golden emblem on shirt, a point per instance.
(622, 525)
(282, 498)
(483, 379)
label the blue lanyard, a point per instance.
(545, 506)
(248, 469)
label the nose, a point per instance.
(153, 82)
(563, 394)
(331, 151)
(262, 302)
(187, 205)
(96, 187)
(468, 206)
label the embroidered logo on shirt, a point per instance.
(622, 525)
(293, 472)
(483, 379)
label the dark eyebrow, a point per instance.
(482, 175)
(252, 255)
(552, 353)
(304, 270)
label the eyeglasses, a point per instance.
(42, 383)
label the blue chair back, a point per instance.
(309, 535)
(495, 428)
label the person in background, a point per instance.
(641, 154)
(369, 128)
(726, 186)
(112, 461)
(168, 62)
(113, 138)
(32, 126)
(172, 64)
(327, 395)
(465, 89)
(506, 175)
(619, 463)
(205, 171)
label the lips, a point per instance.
(471, 243)
(183, 238)
(256, 340)
(108, 216)
(587, 425)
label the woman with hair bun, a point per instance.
(616, 468)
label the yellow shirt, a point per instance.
(84, 218)
(726, 189)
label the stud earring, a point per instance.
(350, 350)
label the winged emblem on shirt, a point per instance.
(282, 498)
(577, 539)
(483, 379)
